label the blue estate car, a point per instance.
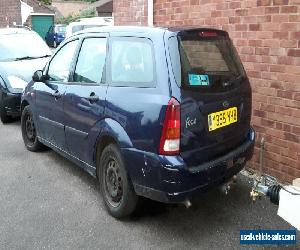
(153, 112)
(55, 35)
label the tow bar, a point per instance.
(287, 197)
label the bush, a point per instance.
(47, 2)
(76, 16)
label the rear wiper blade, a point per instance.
(30, 57)
(232, 81)
(238, 79)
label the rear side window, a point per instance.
(208, 63)
(77, 28)
(175, 58)
(132, 62)
(91, 61)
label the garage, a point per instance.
(42, 23)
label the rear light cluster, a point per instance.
(170, 137)
(208, 34)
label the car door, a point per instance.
(50, 96)
(85, 97)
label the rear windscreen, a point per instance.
(209, 63)
(60, 29)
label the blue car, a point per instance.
(153, 112)
(55, 35)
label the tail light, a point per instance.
(170, 137)
(207, 34)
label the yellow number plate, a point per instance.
(222, 118)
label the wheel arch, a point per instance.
(23, 105)
(111, 132)
(101, 145)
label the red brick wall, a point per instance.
(10, 11)
(266, 33)
(132, 12)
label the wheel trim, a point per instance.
(113, 184)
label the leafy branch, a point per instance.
(76, 16)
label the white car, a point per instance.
(86, 23)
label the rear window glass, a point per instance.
(132, 62)
(203, 56)
(60, 29)
(205, 62)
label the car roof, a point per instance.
(131, 29)
(11, 31)
(139, 29)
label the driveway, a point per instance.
(47, 202)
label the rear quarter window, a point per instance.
(77, 28)
(175, 58)
(132, 62)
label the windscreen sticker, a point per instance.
(198, 80)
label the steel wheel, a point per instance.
(30, 128)
(113, 183)
(117, 190)
(29, 133)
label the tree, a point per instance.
(47, 2)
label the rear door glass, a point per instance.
(91, 61)
(209, 63)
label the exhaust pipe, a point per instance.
(225, 188)
(187, 203)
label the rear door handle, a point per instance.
(56, 94)
(93, 97)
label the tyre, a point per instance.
(3, 115)
(29, 131)
(117, 191)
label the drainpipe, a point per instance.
(150, 13)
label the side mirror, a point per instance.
(38, 76)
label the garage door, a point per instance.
(41, 24)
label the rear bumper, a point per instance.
(168, 179)
(59, 39)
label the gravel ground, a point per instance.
(48, 203)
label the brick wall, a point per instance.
(132, 12)
(10, 12)
(266, 34)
